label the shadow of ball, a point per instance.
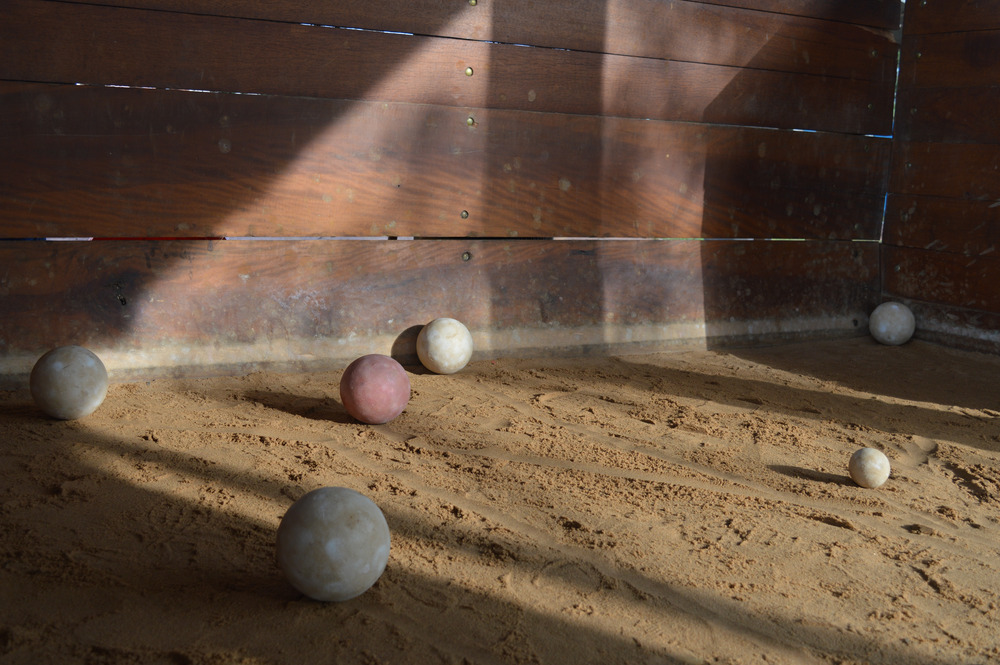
(404, 348)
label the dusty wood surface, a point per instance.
(967, 58)
(953, 296)
(949, 114)
(878, 14)
(953, 170)
(200, 303)
(971, 228)
(69, 43)
(943, 212)
(941, 226)
(944, 278)
(102, 162)
(948, 84)
(625, 119)
(807, 37)
(953, 16)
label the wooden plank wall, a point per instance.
(304, 181)
(943, 215)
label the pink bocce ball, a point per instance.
(374, 389)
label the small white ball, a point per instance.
(444, 346)
(869, 467)
(892, 323)
(69, 382)
(333, 544)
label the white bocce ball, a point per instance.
(869, 467)
(69, 382)
(333, 544)
(444, 346)
(892, 323)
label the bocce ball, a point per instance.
(374, 389)
(444, 346)
(869, 467)
(892, 323)
(68, 382)
(333, 544)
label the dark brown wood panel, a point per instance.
(951, 60)
(818, 39)
(945, 225)
(882, 13)
(951, 16)
(953, 170)
(948, 87)
(101, 45)
(942, 225)
(159, 302)
(955, 280)
(108, 162)
(963, 115)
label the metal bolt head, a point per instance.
(465, 214)
(473, 2)
(470, 121)
(469, 71)
(466, 256)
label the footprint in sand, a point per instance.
(919, 449)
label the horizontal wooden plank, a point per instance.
(962, 115)
(965, 227)
(781, 36)
(944, 278)
(952, 170)
(882, 14)
(951, 60)
(951, 16)
(191, 304)
(110, 162)
(101, 45)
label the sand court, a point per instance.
(688, 507)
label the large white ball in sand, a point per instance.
(333, 544)
(444, 346)
(892, 323)
(869, 467)
(69, 382)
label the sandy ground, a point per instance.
(685, 507)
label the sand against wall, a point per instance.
(689, 507)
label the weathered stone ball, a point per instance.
(892, 323)
(69, 382)
(333, 544)
(869, 467)
(444, 346)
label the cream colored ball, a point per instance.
(444, 346)
(869, 467)
(333, 544)
(69, 382)
(892, 323)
